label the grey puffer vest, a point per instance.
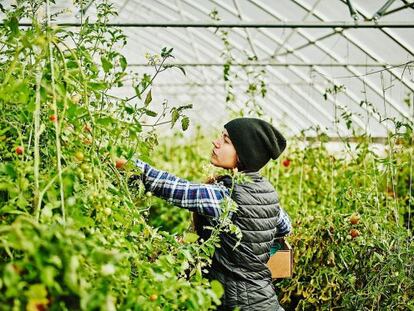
(243, 270)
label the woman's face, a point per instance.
(224, 154)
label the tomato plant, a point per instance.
(73, 233)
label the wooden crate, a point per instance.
(281, 263)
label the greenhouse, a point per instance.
(206, 155)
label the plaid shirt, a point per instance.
(205, 199)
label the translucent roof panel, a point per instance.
(314, 70)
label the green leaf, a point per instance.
(148, 99)
(97, 86)
(4, 130)
(31, 106)
(137, 90)
(165, 53)
(217, 288)
(185, 122)
(226, 71)
(150, 113)
(74, 111)
(182, 69)
(36, 291)
(123, 62)
(189, 106)
(71, 64)
(71, 277)
(106, 64)
(174, 116)
(129, 110)
(137, 128)
(48, 275)
(14, 25)
(105, 121)
(190, 237)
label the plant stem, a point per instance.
(158, 70)
(36, 115)
(57, 124)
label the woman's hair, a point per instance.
(211, 179)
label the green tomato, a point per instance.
(86, 168)
(79, 156)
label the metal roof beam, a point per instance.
(300, 47)
(352, 11)
(283, 64)
(388, 33)
(317, 45)
(353, 71)
(299, 91)
(302, 57)
(167, 38)
(294, 31)
(281, 77)
(205, 11)
(294, 120)
(190, 34)
(405, 6)
(311, 101)
(221, 83)
(383, 9)
(192, 24)
(248, 35)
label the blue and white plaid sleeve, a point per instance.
(284, 226)
(204, 199)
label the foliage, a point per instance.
(340, 262)
(73, 233)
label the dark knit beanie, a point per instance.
(256, 142)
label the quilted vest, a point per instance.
(257, 217)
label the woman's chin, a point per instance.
(214, 162)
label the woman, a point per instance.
(246, 144)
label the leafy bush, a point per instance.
(73, 233)
(352, 249)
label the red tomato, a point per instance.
(354, 233)
(53, 117)
(286, 162)
(19, 150)
(120, 163)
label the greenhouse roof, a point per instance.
(317, 60)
